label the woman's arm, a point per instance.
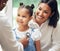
(36, 35)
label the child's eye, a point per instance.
(24, 16)
(18, 15)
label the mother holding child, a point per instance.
(46, 19)
(44, 23)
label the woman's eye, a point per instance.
(39, 8)
(46, 12)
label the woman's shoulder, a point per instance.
(58, 25)
(57, 29)
(33, 24)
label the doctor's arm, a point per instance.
(7, 38)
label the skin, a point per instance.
(38, 45)
(24, 41)
(43, 12)
(2, 4)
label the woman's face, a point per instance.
(42, 13)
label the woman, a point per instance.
(46, 19)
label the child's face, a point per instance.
(23, 17)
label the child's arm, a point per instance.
(36, 35)
(38, 45)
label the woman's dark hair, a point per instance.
(30, 8)
(54, 10)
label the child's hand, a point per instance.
(24, 41)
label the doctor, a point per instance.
(7, 40)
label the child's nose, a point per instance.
(21, 18)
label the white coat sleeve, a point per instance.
(7, 39)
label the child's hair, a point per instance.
(30, 8)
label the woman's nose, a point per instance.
(41, 13)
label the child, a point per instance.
(23, 17)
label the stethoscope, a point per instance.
(28, 34)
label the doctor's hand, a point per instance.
(24, 41)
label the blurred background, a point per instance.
(26, 2)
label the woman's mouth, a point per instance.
(40, 17)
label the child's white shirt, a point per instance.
(35, 35)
